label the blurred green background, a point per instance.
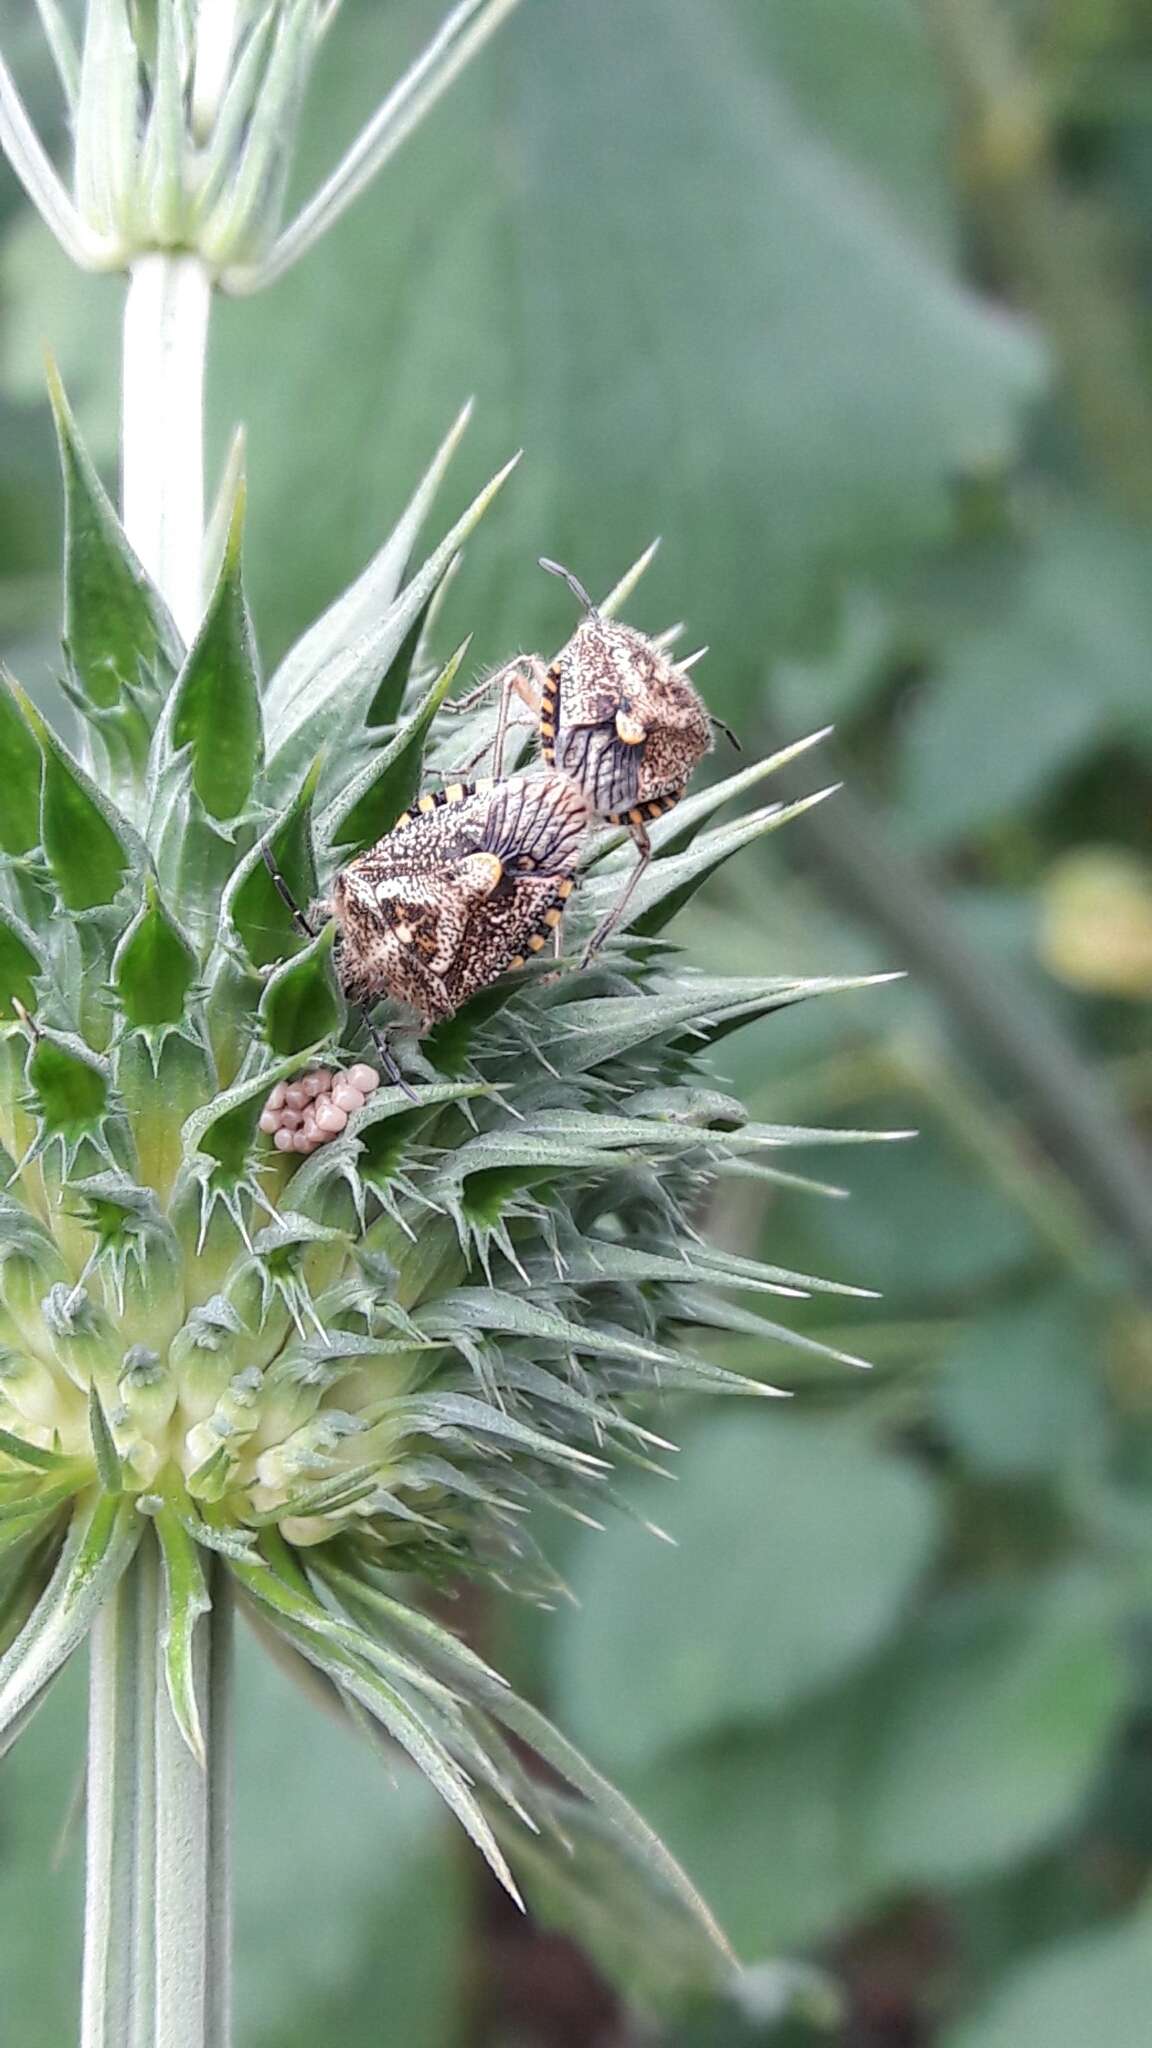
(852, 301)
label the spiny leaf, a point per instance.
(117, 628)
(331, 702)
(345, 1656)
(69, 1083)
(595, 1030)
(87, 844)
(216, 696)
(671, 881)
(154, 966)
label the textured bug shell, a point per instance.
(467, 884)
(621, 720)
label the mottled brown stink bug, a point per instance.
(616, 715)
(468, 883)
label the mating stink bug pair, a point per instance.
(616, 716)
(467, 885)
(474, 878)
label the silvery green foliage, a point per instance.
(329, 1378)
(184, 118)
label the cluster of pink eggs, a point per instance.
(300, 1115)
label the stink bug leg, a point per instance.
(523, 679)
(383, 1051)
(608, 925)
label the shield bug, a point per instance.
(617, 716)
(468, 883)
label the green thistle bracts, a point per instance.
(335, 1370)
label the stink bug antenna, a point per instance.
(726, 730)
(380, 1044)
(574, 585)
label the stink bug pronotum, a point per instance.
(469, 883)
(616, 715)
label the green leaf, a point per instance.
(763, 1820)
(21, 762)
(116, 626)
(1075, 602)
(100, 1543)
(1018, 1389)
(87, 844)
(302, 1005)
(820, 341)
(21, 962)
(186, 1600)
(843, 1531)
(42, 1965)
(1094, 1988)
(216, 697)
(989, 1730)
(154, 966)
(374, 799)
(69, 1083)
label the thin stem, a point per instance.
(162, 433)
(120, 1863)
(156, 1949)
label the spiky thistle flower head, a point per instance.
(328, 1376)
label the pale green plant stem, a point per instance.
(162, 427)
(157, 1916)
(157, 1924)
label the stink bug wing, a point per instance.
(535, 825)
(607, 771)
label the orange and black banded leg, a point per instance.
(524, 680)
(521, 679)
